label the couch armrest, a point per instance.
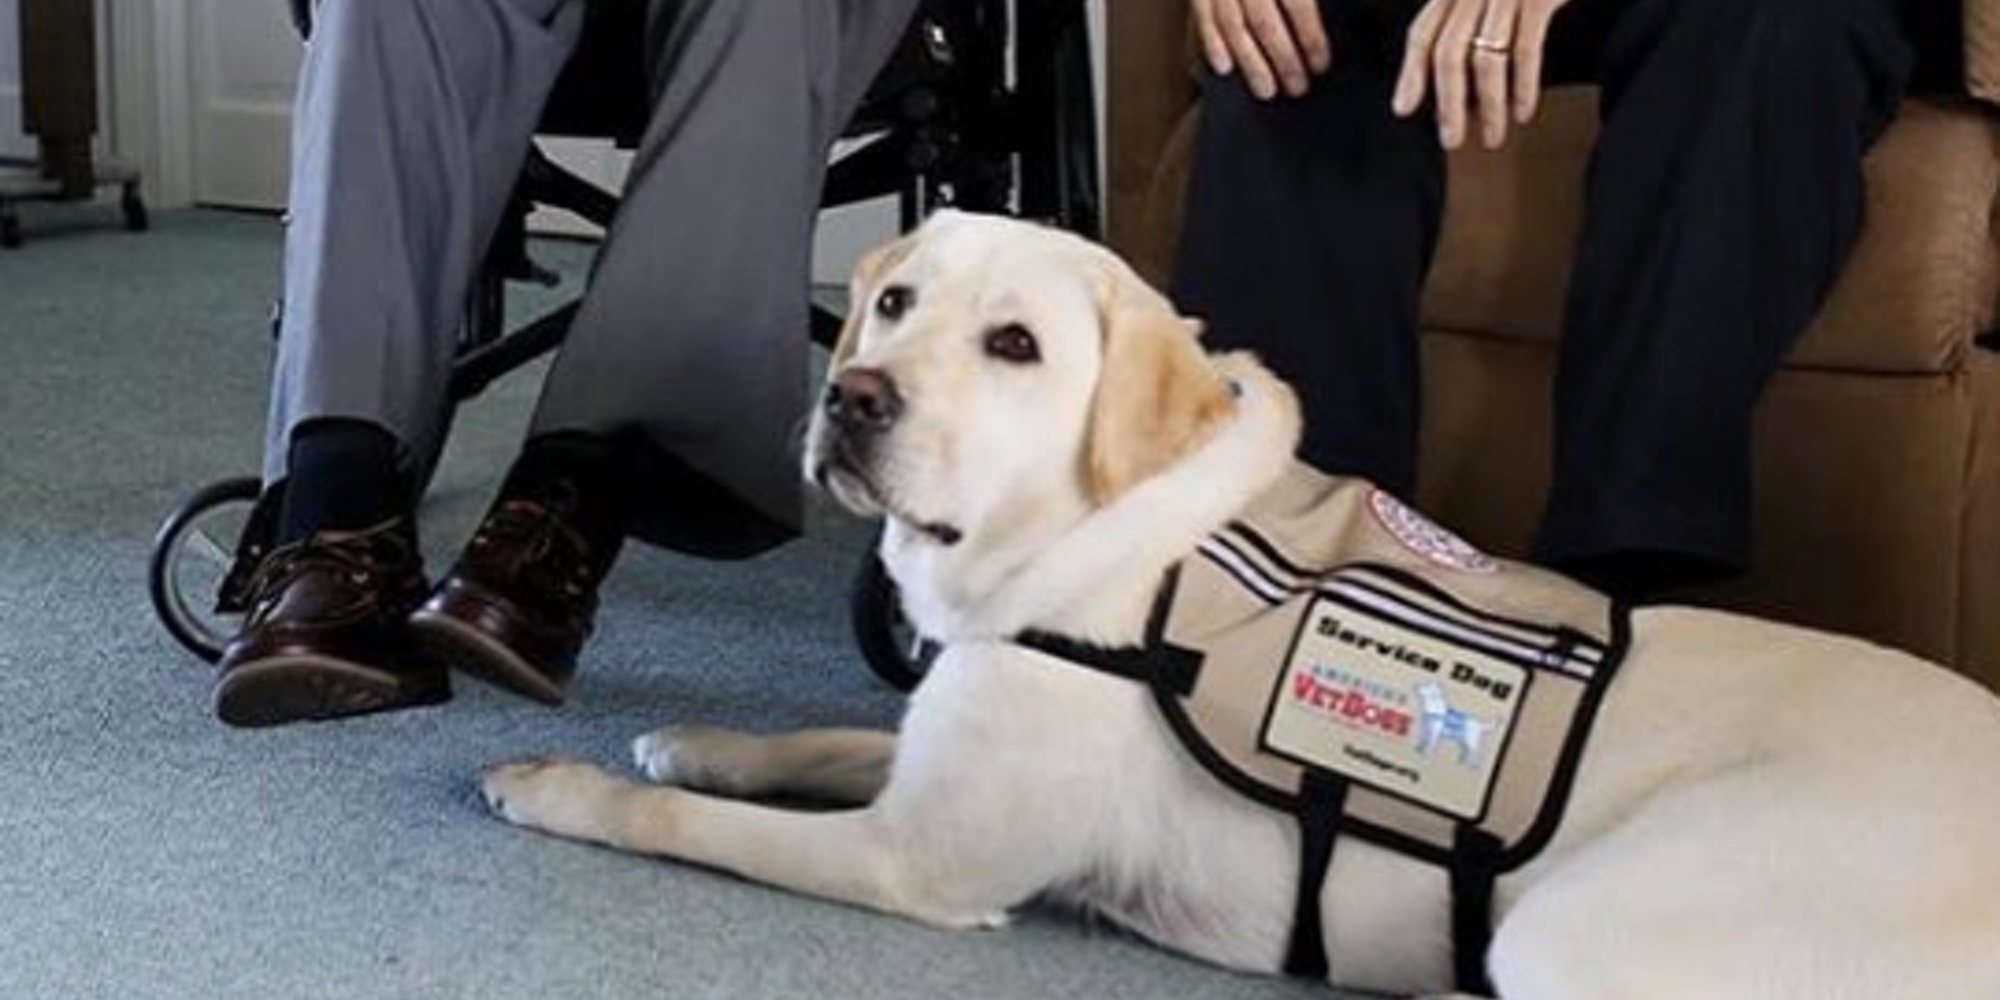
(1982, 49)
(1151, 90)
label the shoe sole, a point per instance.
(305, 687)
(481, 657)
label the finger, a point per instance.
(1413, 81)
(1274, 36)
(1212, 44)
(1448, 70)
(1249, 58)
(1531, 38)
(1310, 31)
(1491, 70)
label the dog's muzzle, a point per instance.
(859, 409)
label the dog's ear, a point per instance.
(1158, 395)
(861, 291)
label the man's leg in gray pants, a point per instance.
(695, 329)
(413, 118)
(669, 411)
(412, 121)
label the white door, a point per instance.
(13, 142)
(244, 62)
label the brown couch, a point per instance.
(1878, 445)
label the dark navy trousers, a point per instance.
(1723, 196)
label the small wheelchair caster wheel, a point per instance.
(892, 649)
(136, 219)
(192, 555)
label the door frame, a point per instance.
(150, 121)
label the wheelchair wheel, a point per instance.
(193, 554)
(892, 649)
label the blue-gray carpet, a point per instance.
(146, 851)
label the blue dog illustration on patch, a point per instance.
(1445, 724)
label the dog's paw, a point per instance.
(560, 795)
(658, 755)
(701, 758)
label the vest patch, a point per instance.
(1426, 537)
(1401, 711)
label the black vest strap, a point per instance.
(1134, 663)
(1158, 664)
(1322, 802)
(1475, 866)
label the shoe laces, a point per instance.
(540, 545)
(357, 556)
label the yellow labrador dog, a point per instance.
(1764, 813)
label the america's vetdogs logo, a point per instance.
(1394, 706)
(1353, 701)
(1419, 714)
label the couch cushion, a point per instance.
(1866, 514)
(1920, 287)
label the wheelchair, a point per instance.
(987, 105)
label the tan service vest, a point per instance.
(1335, 655)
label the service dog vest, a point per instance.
(1335, 655)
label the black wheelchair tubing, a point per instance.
(1063, 183)
(158, 587)
(477, 367)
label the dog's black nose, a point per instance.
(863, 399)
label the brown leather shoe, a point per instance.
(517, 608)
(326, 635)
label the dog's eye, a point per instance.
(1013, 344)
(894, 301)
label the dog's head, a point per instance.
(997, 381)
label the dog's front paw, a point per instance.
(559, 795)
(700, 758)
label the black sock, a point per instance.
(581, 475)
(341, 476)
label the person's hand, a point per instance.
(1276, 43)
(1498, 44)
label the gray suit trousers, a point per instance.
(413, 120)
